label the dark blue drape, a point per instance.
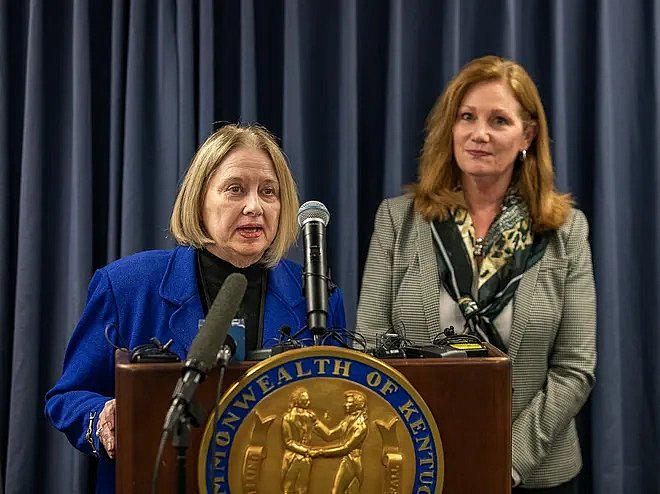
(102, 105)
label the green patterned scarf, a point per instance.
(509, 249)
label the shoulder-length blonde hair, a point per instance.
(435, 191)
(186, 223)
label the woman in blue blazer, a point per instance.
(235, 211)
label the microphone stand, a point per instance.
(190, 415)
(222, 360)
(185, 413)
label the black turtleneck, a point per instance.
(211, 274)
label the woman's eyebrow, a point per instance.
(500, 110)
(232, 178)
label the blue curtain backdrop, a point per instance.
(102, 105)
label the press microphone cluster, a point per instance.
(313, 217)
(204, 350)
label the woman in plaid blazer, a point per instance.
(483, 241)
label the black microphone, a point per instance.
(207, 344)
(313, 217)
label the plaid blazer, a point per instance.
(553, 334)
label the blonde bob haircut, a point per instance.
(186, 223)
(437, 188)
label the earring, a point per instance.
(523, 155)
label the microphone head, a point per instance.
(212, 335)
(313, 211)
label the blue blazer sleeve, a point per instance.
(337, 315)
(87, 383)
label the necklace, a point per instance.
(482, 242)
(478, 246)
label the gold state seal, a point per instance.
(321, 420)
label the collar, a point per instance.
(284, 279)
(176, 286)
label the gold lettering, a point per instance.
(426, 443)
(374, 379)
(425, 489)
(251, 471)
(418, 425)
(408, 409)
(222, 438)
(230, 419)
(265, 384)
(427, 477)
(283, 375)
(219, 485)
(341, 367)
(321, 363)
(388, 388)
(246, 396)
(395, 479)
(300, 372)
(218, 456)
(428, 461)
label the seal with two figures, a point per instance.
(321, 420)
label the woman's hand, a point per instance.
(106, 427)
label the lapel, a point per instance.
(523, 302)
(179, 287)
(522, 307)
(283, 300)
(429, 277)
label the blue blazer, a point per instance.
(151, 294)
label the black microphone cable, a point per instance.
(285, 340)
(345, 338)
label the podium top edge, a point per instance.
(122, 361)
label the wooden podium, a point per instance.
(470, 400)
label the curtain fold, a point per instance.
(293, 123)
(102, 105)
(626, 189)
(7, 247)
(118, 70)
(344, 219)
(248, 63)
(32, 204)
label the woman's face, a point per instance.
(241, 208)
(489, 133)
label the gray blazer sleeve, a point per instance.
(375, 307)
(572, 361)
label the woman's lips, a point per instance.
(250, 231)
(477, 154)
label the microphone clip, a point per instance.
(184, 410)
(154, 351)
(224, 356)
